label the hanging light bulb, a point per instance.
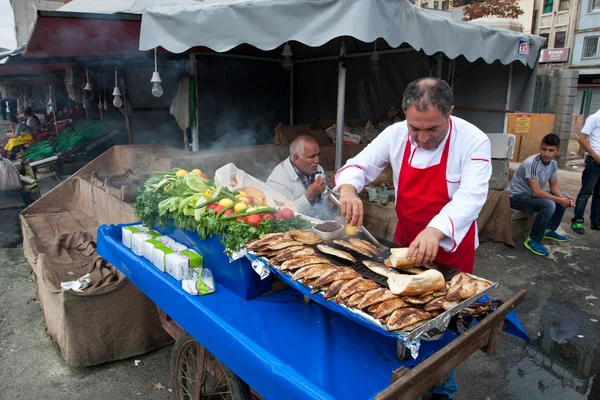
(50, 106)
(375, 60)
(104, 90)
(117, 102)
(287, 54)
(99, 101)
(84, 100)
(157, 89)
(88, 86)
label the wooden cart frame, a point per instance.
(406, 384)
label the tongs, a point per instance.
(364, 230)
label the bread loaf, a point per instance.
(412, 285)
(254, 192)
(398, 258)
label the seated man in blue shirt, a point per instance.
(528, 195)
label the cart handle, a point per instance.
(411, 384)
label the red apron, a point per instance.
(422, 193)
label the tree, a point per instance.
(490, 8)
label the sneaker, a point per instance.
(552, 235)
(577, 226)
(536, 247)
(595, 228)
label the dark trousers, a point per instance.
(549, 214)
(590, 186)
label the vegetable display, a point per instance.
(195, 203)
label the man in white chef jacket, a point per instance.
(442, 166)
(299, 177)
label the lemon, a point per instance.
(351, 230)
(244, 199)
(196, 171)
(208, 194)
(225, 202)
(181, 173)
(240, 207)
(242, 193)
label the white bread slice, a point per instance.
(412, 285)
(398, 258)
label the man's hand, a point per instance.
(315, 189)
(566, 202)
(596, 158)
(351, 205)
(427, 243)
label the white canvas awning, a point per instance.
(222, 25)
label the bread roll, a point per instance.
(412, 285)
(398, 258)
(254, 192)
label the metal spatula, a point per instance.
(364, 230)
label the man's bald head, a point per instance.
(428, 92)
(304, 153)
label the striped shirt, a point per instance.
(532, 168)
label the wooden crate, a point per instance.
(529, 129)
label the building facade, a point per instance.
(586, 57)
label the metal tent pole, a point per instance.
(508, 94)
(341, 98)
(292, 95)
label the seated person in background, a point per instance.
(19, 136)
(299, 177)
(32, 121)
(528, 195)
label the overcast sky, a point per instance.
(7, 26)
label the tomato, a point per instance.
(204, 175)
(229, 213)
(218, 209)
(250, 199)
(211, 206)
(241, 219)
(266, 216)
(254, 219)
(285, 213)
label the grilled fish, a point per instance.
(414, 270)
(419, 300)
(414, 326)
(284, 244)
(379, 268)
(312, 271)
(388, 307)
(336, 253)
(344, 274)
(376, 296)
(462, 286)
(304, 237)
(363, 243)
(299, 251)
(448, 305)
(356, 285)
(334, 289)
(350, 246)
(435, 304)
(296, 263)
(264, 240)
(406, 317)
(355, 299)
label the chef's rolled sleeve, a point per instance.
(455, 219)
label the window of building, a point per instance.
(547, 37)
(595, 5)
(436, 5)
(590, 47)
(564, 5)
(548, 6)
(559, 40)
(445, 5)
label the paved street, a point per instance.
(560, 315)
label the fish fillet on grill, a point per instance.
(284, 244)
(362, 285)
(419, 300)
(305, 237)
(414, 326)
(350, 246)
(336, 253)
(299, 251)
(296, 263)
(448, 305)
(363, 243)
(264, 240)
(344, 274)
(462, 286)
(379, 268)
(388, 307)
(313, 271)
(376, 296)
(333, 289)
(435, 304)
(414, 270)
(355, 299)
(406, 317)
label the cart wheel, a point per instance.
(197, 374)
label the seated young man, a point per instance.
(528, 195)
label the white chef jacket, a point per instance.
(286, 181)
(467, 175)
